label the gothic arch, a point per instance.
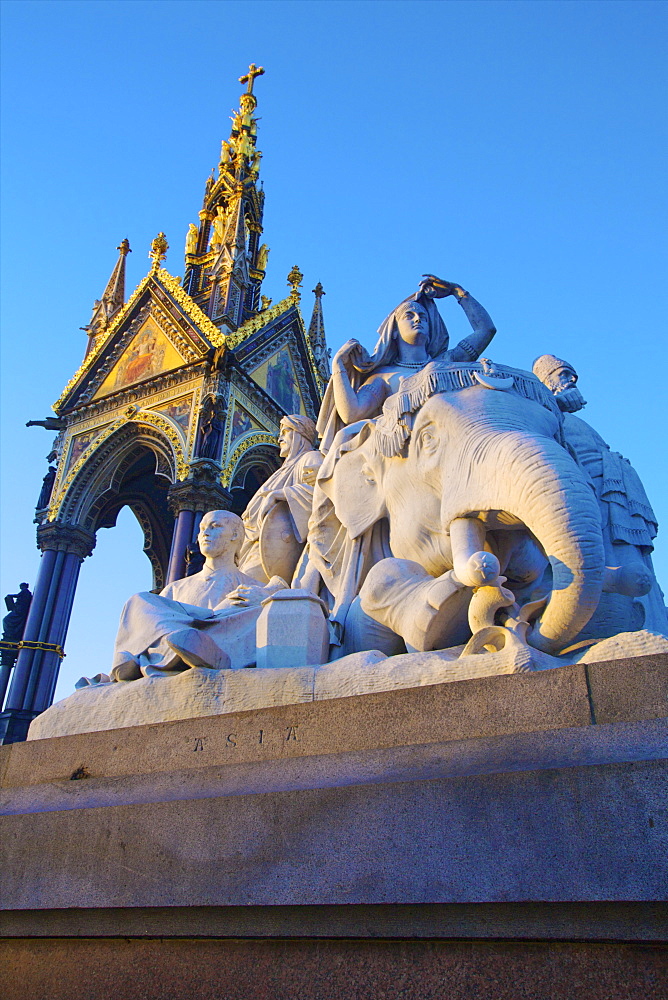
(132, 466)
(252, 470)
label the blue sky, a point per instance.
(517, 148)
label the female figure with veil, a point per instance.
(409, 338)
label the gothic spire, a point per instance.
(316, 335)
(113, 297)
(224, 262)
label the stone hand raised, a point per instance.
(352, 350)
(437, 288)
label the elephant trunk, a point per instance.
(537, 482)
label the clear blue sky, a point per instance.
(518, 148)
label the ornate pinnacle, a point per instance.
(249, 77)
(159, 248)
(295, 278)
(113, 297)
(319, 291)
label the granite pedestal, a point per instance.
(496, 837)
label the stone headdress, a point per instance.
(548, 364)
(385, 351)
(302, 425)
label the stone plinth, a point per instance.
(202, 691)
(292, 630)
(471, 834)
(192, 968)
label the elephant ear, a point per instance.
(356, 490)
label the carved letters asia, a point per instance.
(288, 734)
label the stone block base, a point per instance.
(497, 837)
(330, 969)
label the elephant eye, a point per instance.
(428, 441)
(368, 476)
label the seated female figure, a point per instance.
(412, 335)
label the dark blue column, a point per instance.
(5, 672)
(64, 547)
(199, 514)
(43, 588)
(43, 681)
(183, 529)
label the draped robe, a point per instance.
(198, 601)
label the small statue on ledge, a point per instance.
(47, 488)
(191, 239)
(210, 438)
(14, 623)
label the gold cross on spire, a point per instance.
(249, 78)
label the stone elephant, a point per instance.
(467, 467)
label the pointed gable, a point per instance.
(275, 351)
(159, 329)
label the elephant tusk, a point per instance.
(472, 566)
(494, 381)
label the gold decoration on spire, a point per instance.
(295, 278)
(159, 248)
(112, 300)
(226, 264)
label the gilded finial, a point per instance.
(249, 77)
(159, 248)
(125, 248)
(295, 278)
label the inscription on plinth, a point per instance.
(232, 740)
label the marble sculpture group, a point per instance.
(453, 501)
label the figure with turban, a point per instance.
(629, 524)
